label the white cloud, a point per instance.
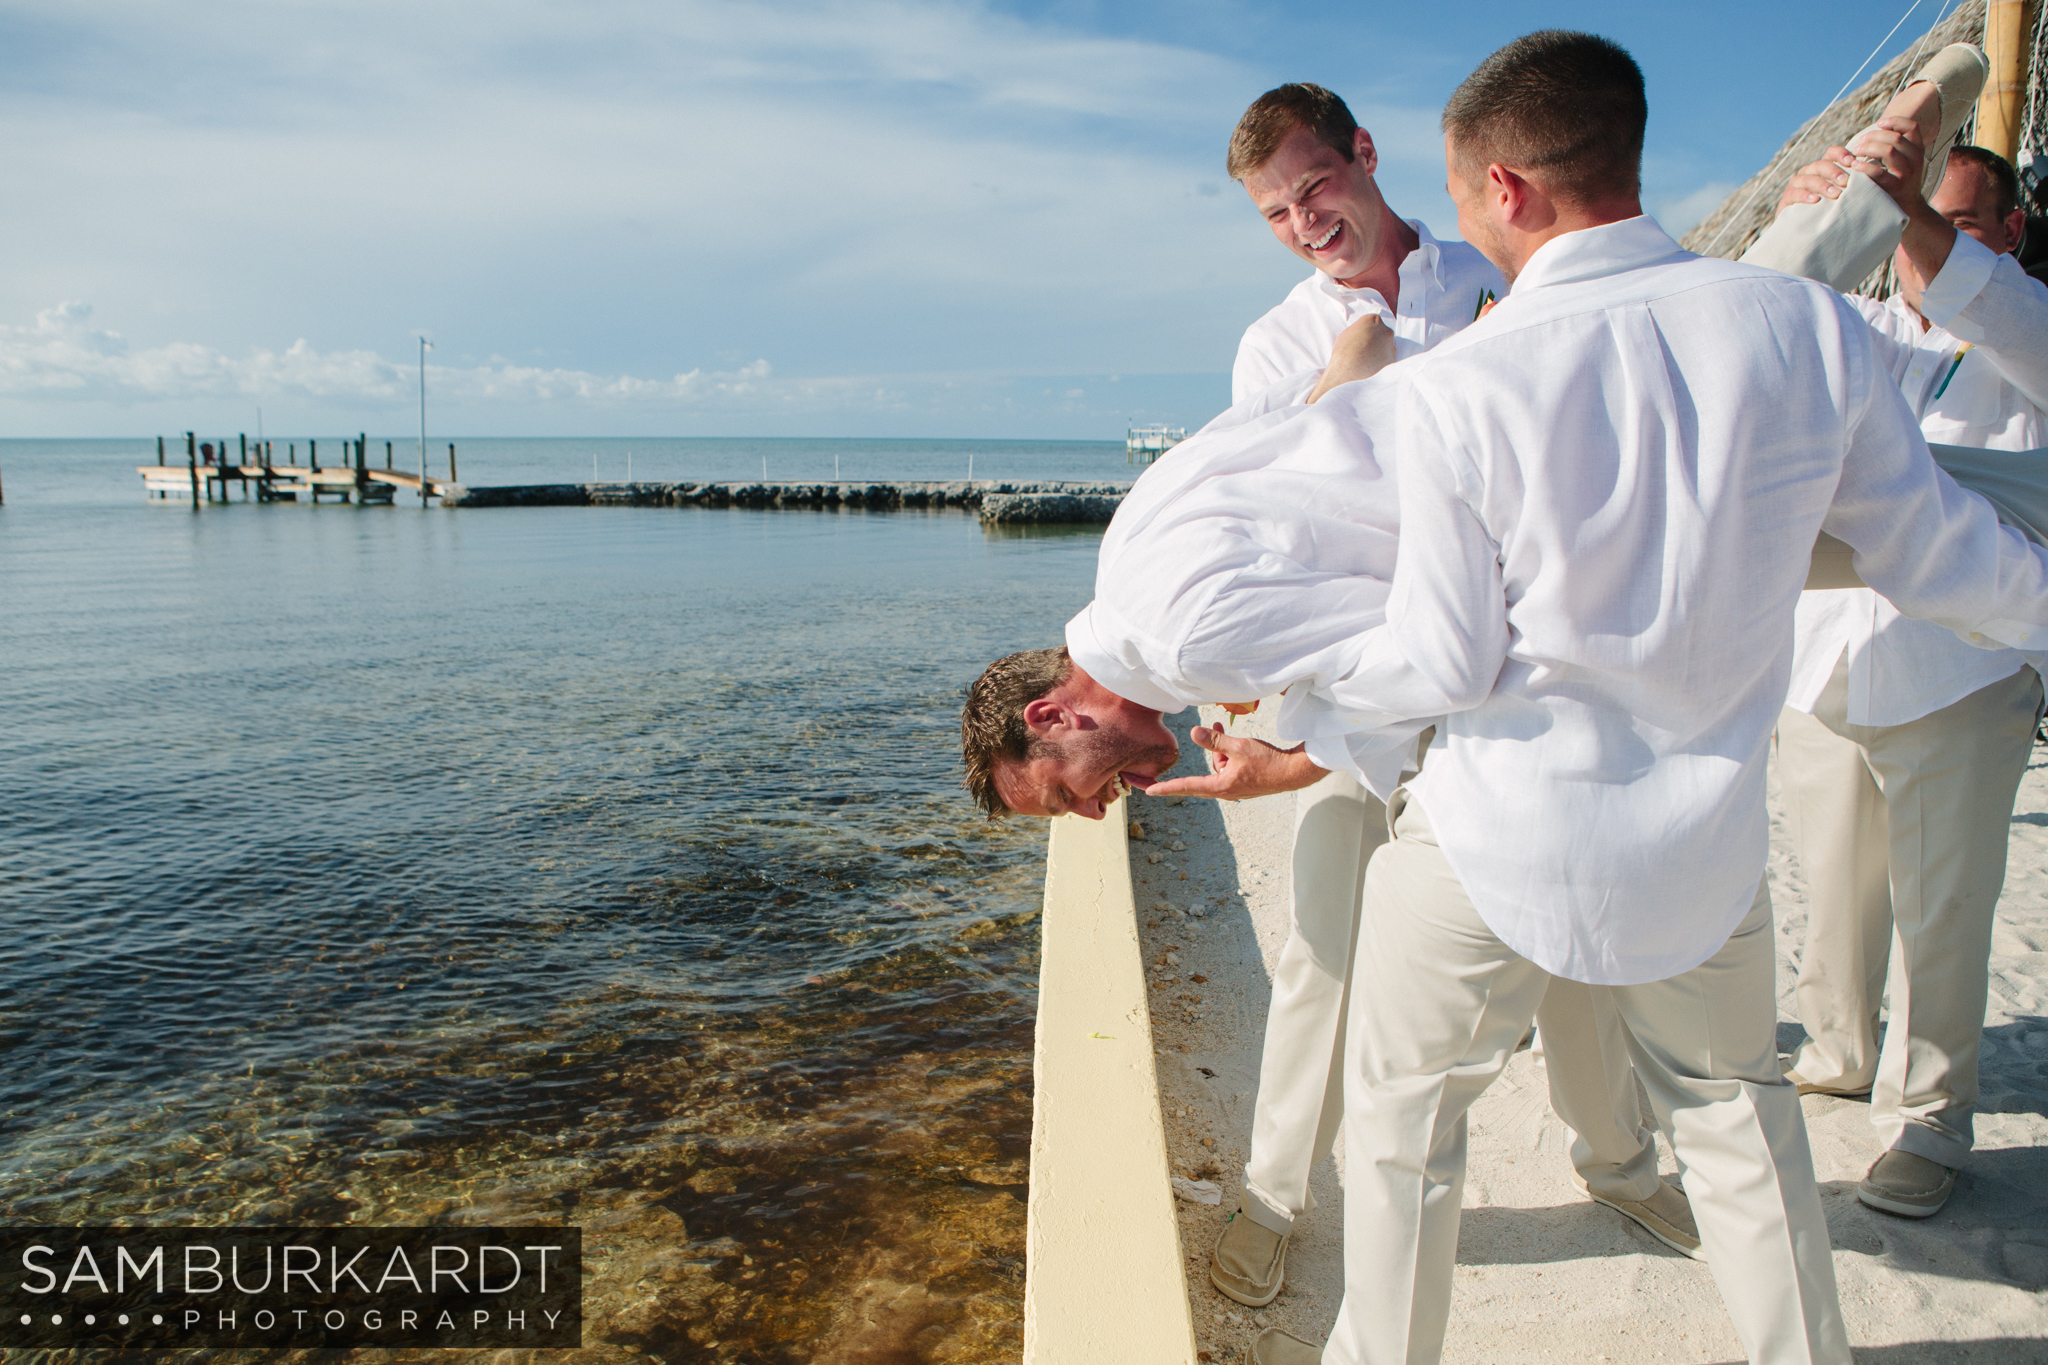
(873, 184)
(621, 189)
(62, 355)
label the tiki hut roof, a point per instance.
(1729, 229)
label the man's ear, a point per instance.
(1508, 191)
(2015, 228)
(1043, 714)
(1363, 152)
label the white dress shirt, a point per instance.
(1255, 555)
(1977, 375)
(1443, 285)
(1609, 489)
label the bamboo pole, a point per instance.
(2006, 26)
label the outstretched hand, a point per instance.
(1241, 768)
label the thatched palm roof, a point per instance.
(1730, 229)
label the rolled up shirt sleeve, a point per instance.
(1986, 299)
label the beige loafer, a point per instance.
(1250, 1261)
(1275, 1347)
(1806, 1087)
(1665, 1215)
(1908, 1185)
(1958, 71)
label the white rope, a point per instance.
(1764, 179)
(2031, 132)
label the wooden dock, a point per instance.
(281, 483)
(213, 479)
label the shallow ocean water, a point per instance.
(597, 865)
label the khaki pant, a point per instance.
(1337, 826)
(1901, 831)
(1439, 1005)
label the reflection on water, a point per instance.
(594, 865)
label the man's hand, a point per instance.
(1242, 768)
(1889, 153)
(1361, 351)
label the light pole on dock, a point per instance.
(425, 346)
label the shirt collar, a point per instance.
(1590, 253)
(1428, 255)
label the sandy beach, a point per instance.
(1543, 1273)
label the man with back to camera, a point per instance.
(1607, 494)
(1309, 169)
(1901, 746)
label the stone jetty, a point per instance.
(998, 501)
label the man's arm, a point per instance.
(1951, 279)
(1933, 550)
(1446, 634)
(1986, 299)
(1264, 358)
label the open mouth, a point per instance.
(1323, 241)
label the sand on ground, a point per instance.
(1543, 1273)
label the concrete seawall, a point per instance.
(1103, 1280)
(998, 501)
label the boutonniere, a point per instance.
(1236, 708)
(1952, 370)
(1485, 305)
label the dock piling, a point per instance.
(451, 462)
(159, 450)
(192, 466)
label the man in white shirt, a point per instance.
(1607, 489)
(1309, 169)
(1901, 746)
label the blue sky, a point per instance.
(864, 218)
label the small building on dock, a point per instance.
(1143, 445)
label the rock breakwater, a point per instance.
(997, 500)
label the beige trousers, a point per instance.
(1901, 831)
(1438, 1006)
(1337, 826)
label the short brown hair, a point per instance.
(2004, 180)
(1569, 105)
(1275, 115)
(992, 728)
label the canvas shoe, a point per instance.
(1275, 1347)
(1665, 1215)
(1908, 1185)
(1250, 1261)
(1957, 73)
